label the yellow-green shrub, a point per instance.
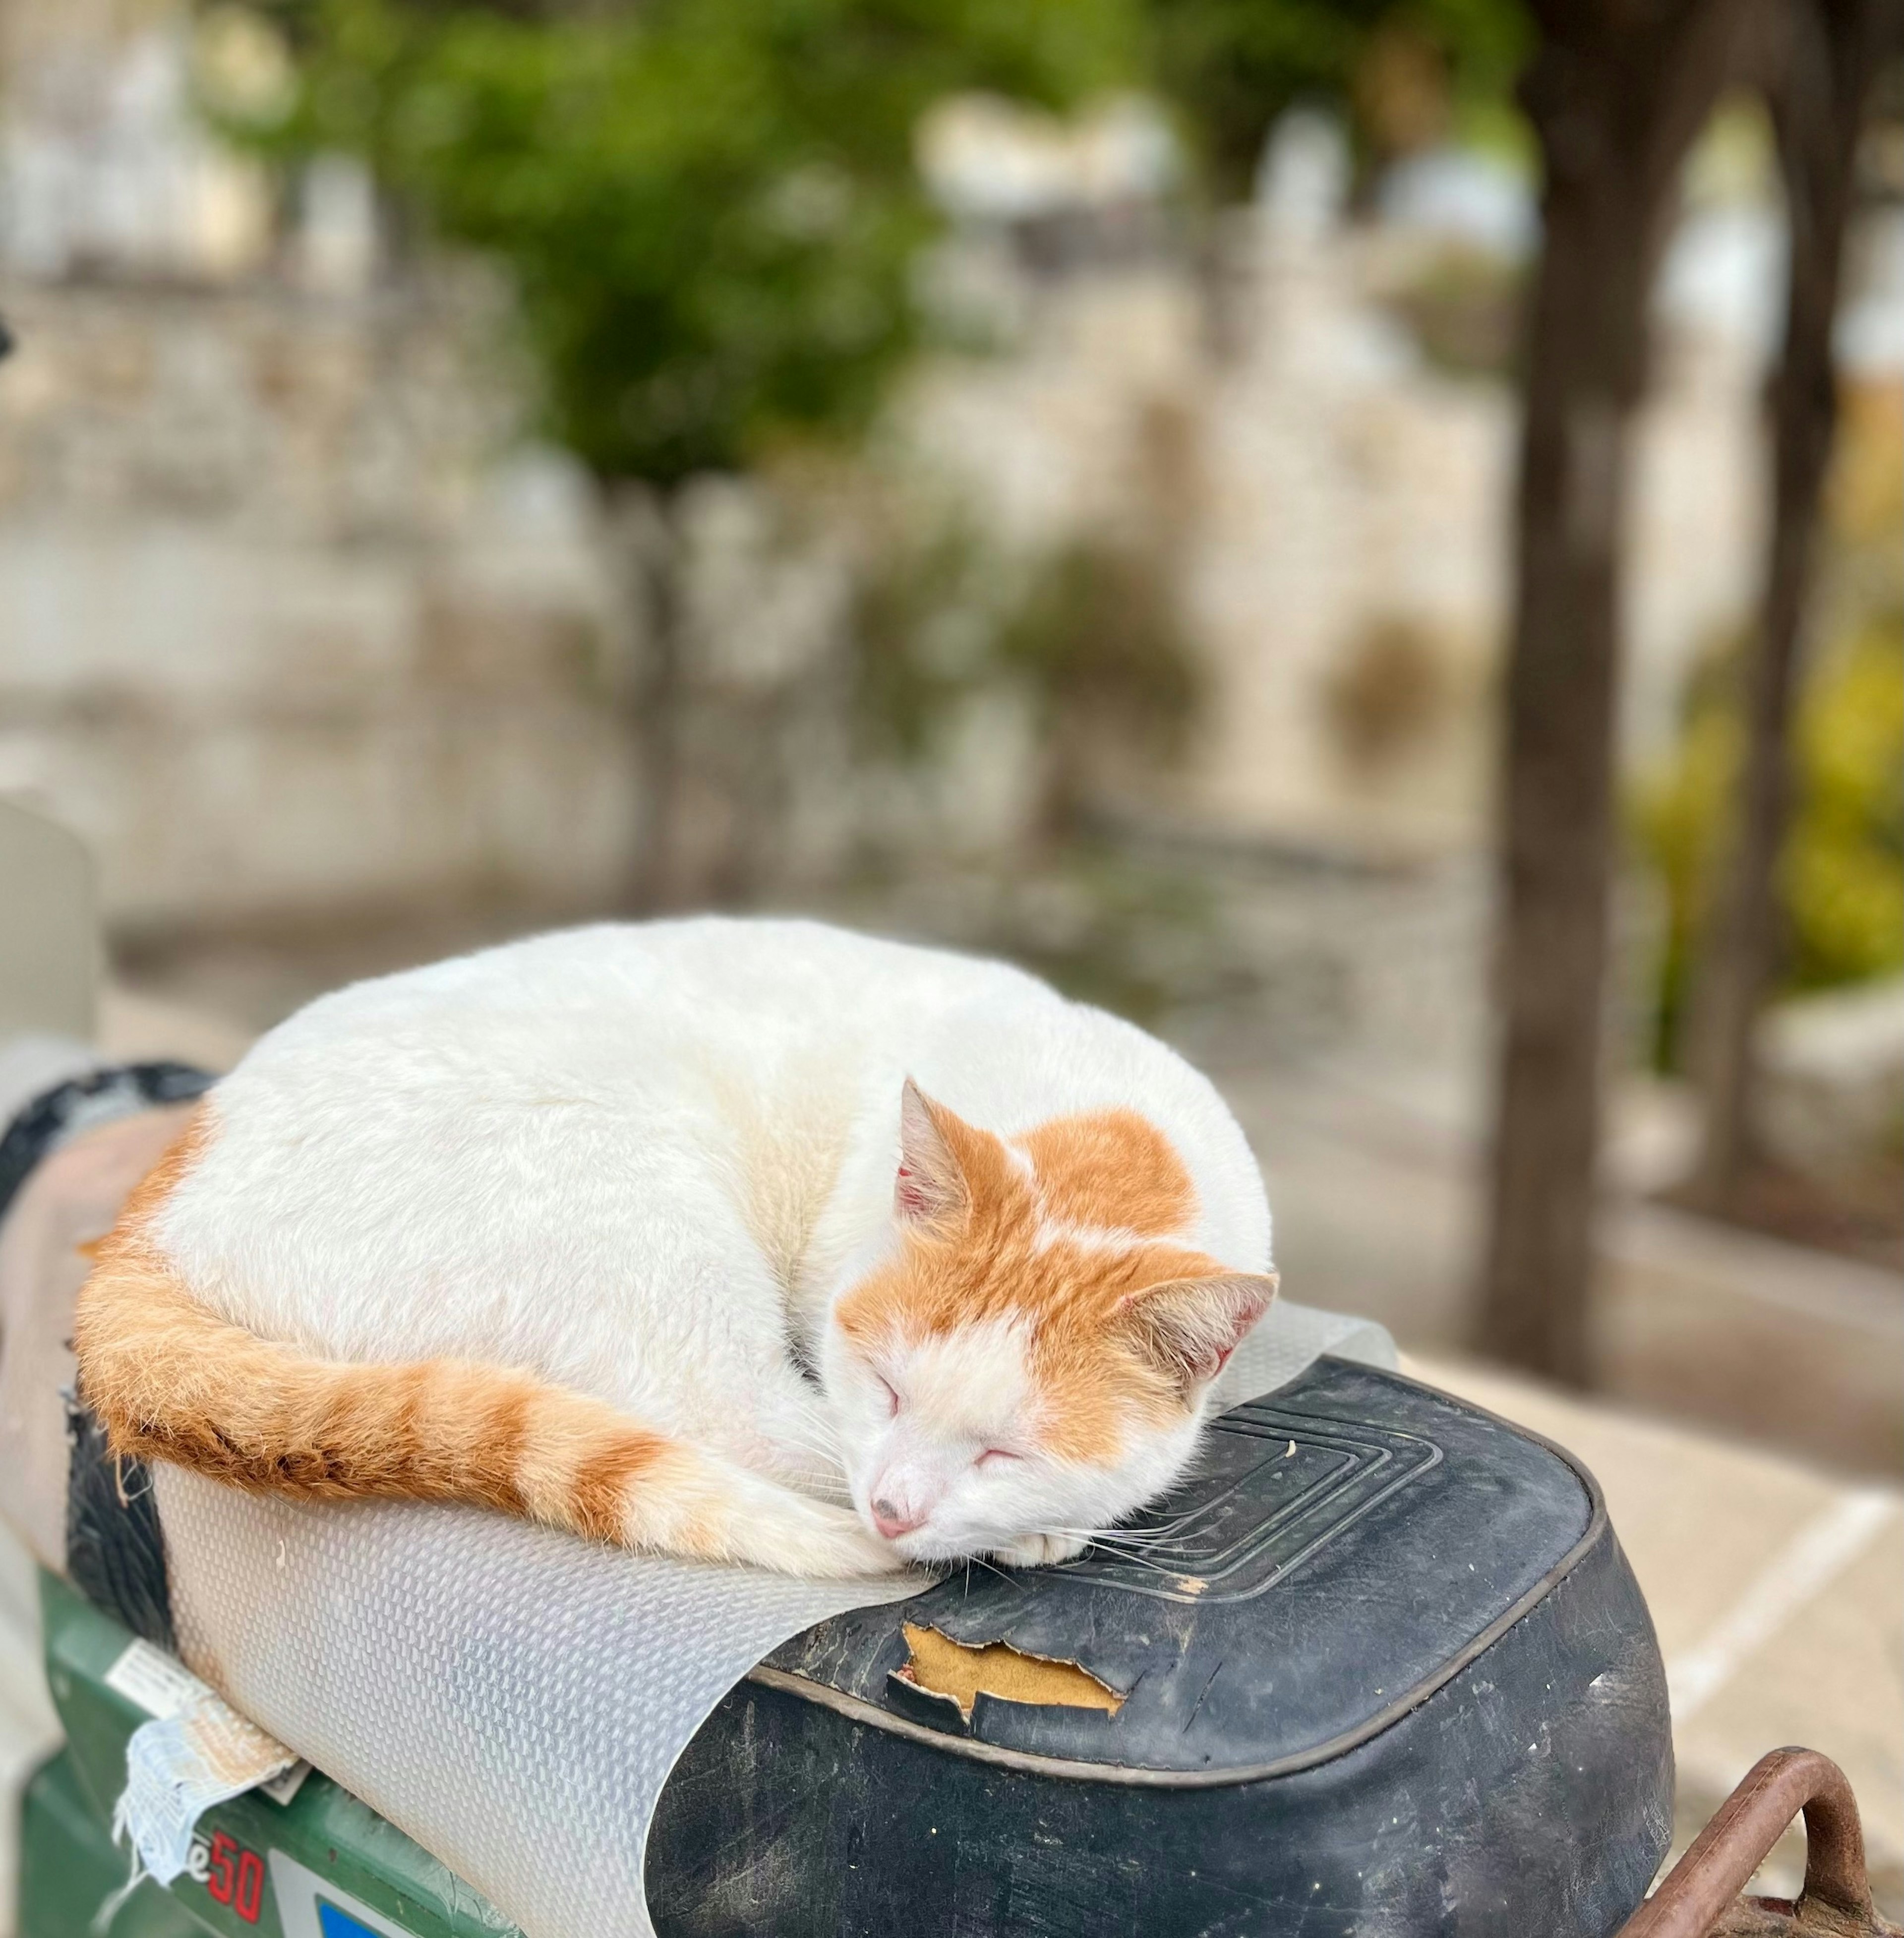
(1840, 873)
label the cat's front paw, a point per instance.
(834, 1541)
(1040, 1550)
(768, 1525)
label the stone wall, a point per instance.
(277, 631)
(1348, 522)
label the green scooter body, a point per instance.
(323, 1866)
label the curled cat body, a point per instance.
(747, 1240)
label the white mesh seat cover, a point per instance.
(513, 1698)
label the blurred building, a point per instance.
(292, 618)
(283, 629)
(1350, 442)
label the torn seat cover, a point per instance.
(1379, 1668)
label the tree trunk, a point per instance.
(647, 553)
(1615, 100)
(718, 746)
(1829, 53)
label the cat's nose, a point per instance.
(891, 1522)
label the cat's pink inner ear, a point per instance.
(1191, 1326)
(930, 1188)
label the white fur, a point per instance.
(643, 1161)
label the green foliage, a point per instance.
(1841, 874)
(1134, 934)
(1676, 818)
(1389, 692)
(1089, 630)
(1098, 633)
(929, 607)
(708, 207)
(1232, 66)
(1462, 307)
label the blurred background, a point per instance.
(1367, 537)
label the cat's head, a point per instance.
(1033, 1354)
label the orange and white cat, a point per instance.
(750, 1239)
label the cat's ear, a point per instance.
(1190, 1326)
(931, 1189)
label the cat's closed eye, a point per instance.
(992, 1453)
(892, 1396)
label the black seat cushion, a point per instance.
(1379, 1668)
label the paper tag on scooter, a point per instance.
(178, 1767)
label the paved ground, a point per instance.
(1778, 1592)
(1376, 1186)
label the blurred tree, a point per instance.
(1827, 54)
(1616, 93)
(709, 208)
(1391, 67)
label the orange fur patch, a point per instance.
(1110, 1172)
(1111, 1169)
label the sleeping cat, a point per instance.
(747, 1240)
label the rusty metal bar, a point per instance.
(1700, 1898)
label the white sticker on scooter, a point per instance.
(160, 1684)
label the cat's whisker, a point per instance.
(1171, 1572)
(1110, 1543)
(1170, 1531)
(1176, 1522)
(1124, 1537)
(810, 1431)
(817, 1448)
(1130, 1539)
